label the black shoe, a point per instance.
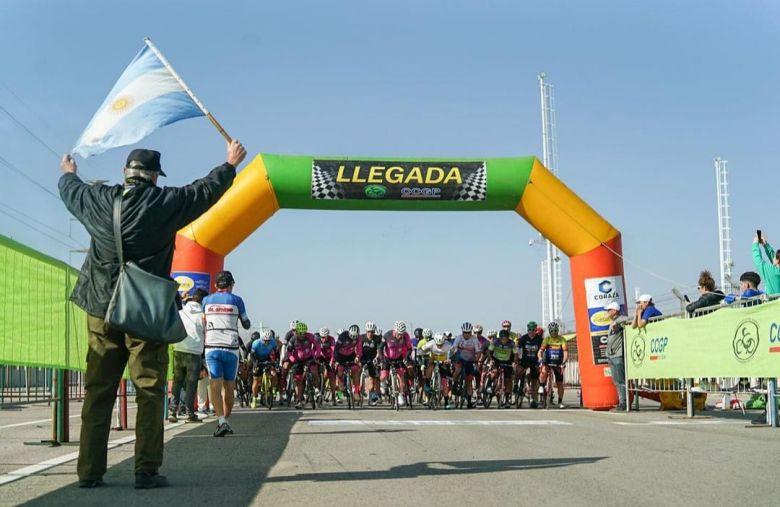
(146, 480)
(90, 483)
(192, 419)
(222, 430)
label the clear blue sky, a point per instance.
(647, 95)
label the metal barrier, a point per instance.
(733, 391)
(25, 384)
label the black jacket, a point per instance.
(708, 299)
(151, 216)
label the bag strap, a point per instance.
(118, 227)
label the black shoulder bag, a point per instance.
(143, 305)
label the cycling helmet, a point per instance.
(370, 326)
(531, 325)
(418, 332)
(466, 327)
(539, 330)
(492, 333)
(224, 280)
(399, 327)
(301, 327)
(553, 327)
(448, 334)
(267, 335)
(339, 331)
(379, 331)
(506, 323)
(427, 333)
(477, 328)
(354, 331)
(255, 335)
(438, 339)
(503, 333)
(324, 332)
(293, 324)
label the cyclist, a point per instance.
(553, 353)
(529, 345)
(345, 355)
(422, 357)
(394, 353)
(483, 347)
(503, 354)
(264, 353)
(285, 360)
(438, 351)
(466, 351)
(508, 326)
(303, 350)
(492, 337)
(416, 337)
(327, 343)
(368, 346)
(222, 311)
(448, 336)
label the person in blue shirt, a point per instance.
(645, 310)
(748, 285)
(264, 350)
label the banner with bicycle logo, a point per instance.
(731, 342)
(394, 180)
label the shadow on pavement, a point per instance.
(439, 468)
(202, 471)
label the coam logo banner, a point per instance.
(392, 180)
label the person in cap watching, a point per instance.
(615, 355)
(645, 310)
(150, 218)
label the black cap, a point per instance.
(148, 160)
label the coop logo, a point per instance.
(746, 339)
(375, 191)
(638, 350)
(605, 287)
(774, 337)
(420, 193)
(658, 348)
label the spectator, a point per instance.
(770, 271)
(186, 357)
(615, 352)
(748, 285)
(645, 310)
(708, 294)
(150, 218)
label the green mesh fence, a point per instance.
(38, 325)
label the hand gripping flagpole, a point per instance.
(186, 88)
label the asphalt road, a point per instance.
(491, 457)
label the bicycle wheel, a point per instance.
(487, 392)
(348, 388)
(361, 386)
(268, 390)
(290, 389)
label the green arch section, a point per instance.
(291, 178)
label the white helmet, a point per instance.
(427, 333)
(438, 339)
(324, 331)
(339, 331)
(478, 328)
(266, 335)
(399, 326)
(492, 333)
(370, 326)
(466, 327)
(354, 331)
(293, 324)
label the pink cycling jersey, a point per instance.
(396, 348)
(347, 349)
(303, 348)
(327, 346)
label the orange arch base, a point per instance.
(598, 391)
(195, 265)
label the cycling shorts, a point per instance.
(396, 364)
(342, 365)
(467, 367)
(531, 368)
(507, 368)
(370, 369)
(298, 367)
(222, 364)
(557, 371)
(259, 367)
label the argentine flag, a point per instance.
(146, 97)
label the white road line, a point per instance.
(29, 470)
(28, 423)
(674, 423)
(452, 422)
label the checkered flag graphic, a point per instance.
(474, 188)
(323, 186)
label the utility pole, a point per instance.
(552, 287)
(724, 225)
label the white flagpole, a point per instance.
(195, 99)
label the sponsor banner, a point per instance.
(189, 281)
(732, 342)
(393, 180)
(599, 292)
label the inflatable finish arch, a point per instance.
(522, 184)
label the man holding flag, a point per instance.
(147, 96)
